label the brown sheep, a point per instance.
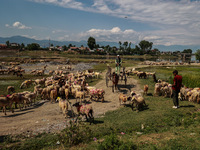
(26, 84)
(10, 89)
(62, 92)
(85, 110)
(66, 93)
(53, 95)
(157, 89)
(80, 95)
(40, 81)
(138, 101)
(45, 94)
(123, 98)
(17, 99)
(31, 97)
(4, 102)
(63, 105)
(146, 87)
(97, 94)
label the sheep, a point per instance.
(67, 93)
(157, 89)
(31, 96)
(37, 89)
(40, 81)
(194, 97)
(146, 87)
(85, 110)
(62, 92)
(10, 89)
(6, 101)
(97, 74)
(141, 74)
(63, 105)
(123, 98)
(88, 88)
(80, 95)
(19, 99)
(138, 101)
(97, 93)
(45, 94)
(167, 91)
(26, 83)
(189, 93)
(53, 95)
(51, 72)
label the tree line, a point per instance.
(125, 48)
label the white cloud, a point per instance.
(32, 37)
(7, 25)
(114, 34)
(64, 3)
(169, 12)
(17, 25)
(177, 22)
(63, 38)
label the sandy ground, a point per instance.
(46, 117)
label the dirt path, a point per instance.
(46, 117)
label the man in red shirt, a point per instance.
(176, 88)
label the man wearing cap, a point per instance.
(176, 88)
(118, 62)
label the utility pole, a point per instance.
(49, 44)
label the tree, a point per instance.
(97, 46)
(129, 45)
(120, 43)
(51, 45)
(145, 45)
(187, 51)
(22, 46)
(8, 43)
(125, 45)
(64, 47)
(70, 45)
(91, 42)
(197, 54)
(33, 46)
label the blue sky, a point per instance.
(163, 22)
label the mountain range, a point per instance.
(45, 43)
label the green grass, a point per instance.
(190, 74)
(11, 80)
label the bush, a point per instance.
(75, 134)
(111, 142)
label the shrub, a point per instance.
(111, 142)
(75, 134)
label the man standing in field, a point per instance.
(176, 88)
(118, 62)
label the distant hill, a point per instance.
(45, 43)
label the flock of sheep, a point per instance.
(58, 87)
(63, 85)
(162, 63)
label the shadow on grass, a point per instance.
(149, 94)
(187, 106)
(98, 122)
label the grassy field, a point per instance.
(156, 127)
(190, 74)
